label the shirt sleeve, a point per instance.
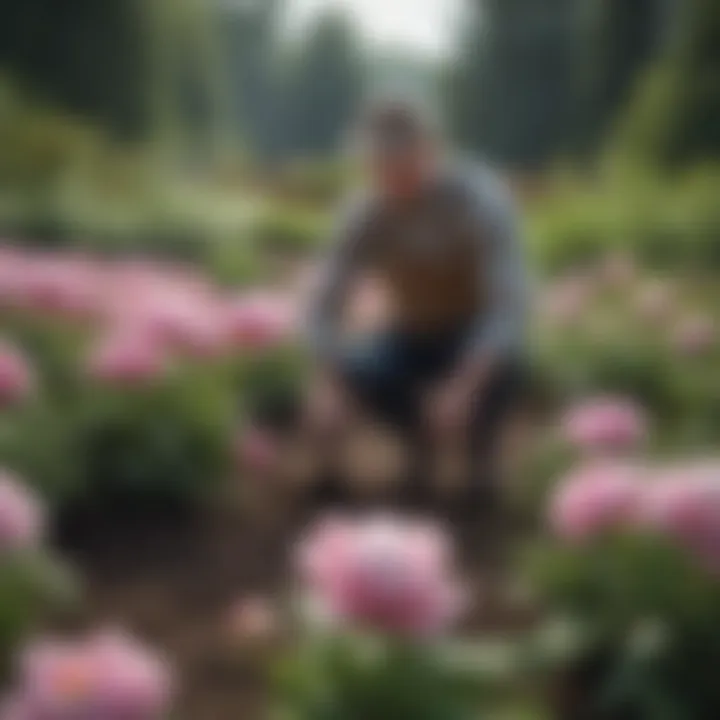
(337, 274)
(500, 327)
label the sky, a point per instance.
(425, 26)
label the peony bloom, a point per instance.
(256, 450)
(16, 378)
(60, 287)
(21, 515)
(685, 506)
(180, 318)
(259, 321)
(128, 357)
(596, 498)
(695, 335)
(107, 675)
(16, 708)
(605, 425)
(192, 330)
(384, 574)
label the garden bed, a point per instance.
(174, 577)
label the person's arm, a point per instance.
(501, 324)
(499, 329)
(337, 275)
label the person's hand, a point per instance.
(449, 407)
(328, 406)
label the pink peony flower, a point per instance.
(16, 708)
(191, 330)
(598, 497)
(178, 310)
(22, 516)
(685, 506)
(605, 425)
(107, 675)
(695, 335)
(129, 357)
(385, 574)
(259, 321)
(16, 378)
(61, 287)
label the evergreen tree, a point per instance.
(617, 40)
(249, 34)
(325, 87)
(676, 119)
(84, 55)
(510, 92)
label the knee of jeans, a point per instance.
(364, 371)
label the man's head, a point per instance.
(398, 144)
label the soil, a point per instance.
(173, 575)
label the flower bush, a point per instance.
(32, 581)
(382, 574)
(105, 675)
(379, 597)
(605, 425)
(131, 375)
(631, 570)
(606, 330)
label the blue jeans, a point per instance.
(390, 373)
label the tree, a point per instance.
(510, 93)
(324, 87)
(127, 66)
(676, 119)
(83, 55)
(617, 41)
(249, 32)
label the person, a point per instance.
(442, 236)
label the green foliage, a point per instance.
(168, 439)
(33, 585)
(675, 121)
(173, 441)
(641, 613)
(666, 225)
(510, 93)
(354, 678)
(325, 85)
(611, 347)
(87, 57)
(288, 229)
(316, 182)
(616, 40)
(63, 183)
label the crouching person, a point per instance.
(441, 236)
